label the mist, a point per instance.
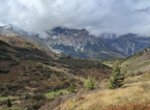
(97, 16)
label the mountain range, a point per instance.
(80, 43)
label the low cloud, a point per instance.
(98, 16)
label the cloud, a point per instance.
(98, 16)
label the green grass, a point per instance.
(137, 63)
(108, 63)
(11, 108)
(134, 67)
(8, 97)
(53, 94)
(4, 107)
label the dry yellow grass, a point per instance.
(135, 93)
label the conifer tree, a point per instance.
(116, 79)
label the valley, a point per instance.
(27, 73)
(35, 76)
(74, 54)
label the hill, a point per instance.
(133, 95)
(28, 74)
(137, 63)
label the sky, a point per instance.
(97, 16)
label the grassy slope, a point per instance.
(134, 96)
(24, 42)
(137, 63)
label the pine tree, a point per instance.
(117, 78)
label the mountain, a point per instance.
(15, 36)
(78, 43)
(11, 30)
(127, 44)
(20, 38)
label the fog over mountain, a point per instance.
(97, 16)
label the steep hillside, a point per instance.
(27, 74)
(137, 63)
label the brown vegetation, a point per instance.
(26, 72)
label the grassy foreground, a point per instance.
(135, 95)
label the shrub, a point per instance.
(33, 105)
(8, 102)
(56, 93)
(72, 87)
(26, 96)
(38, 97)
(4, 70)
(89, 83)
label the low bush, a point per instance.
(89, 83)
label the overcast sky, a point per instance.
(98, 16)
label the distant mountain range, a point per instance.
(127, 44)
(80, 43)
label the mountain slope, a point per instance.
(20, 38)
(127, 44)
(11, 30)
(78, 43)
(139, 62)
(134, 96)
(28, 73)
